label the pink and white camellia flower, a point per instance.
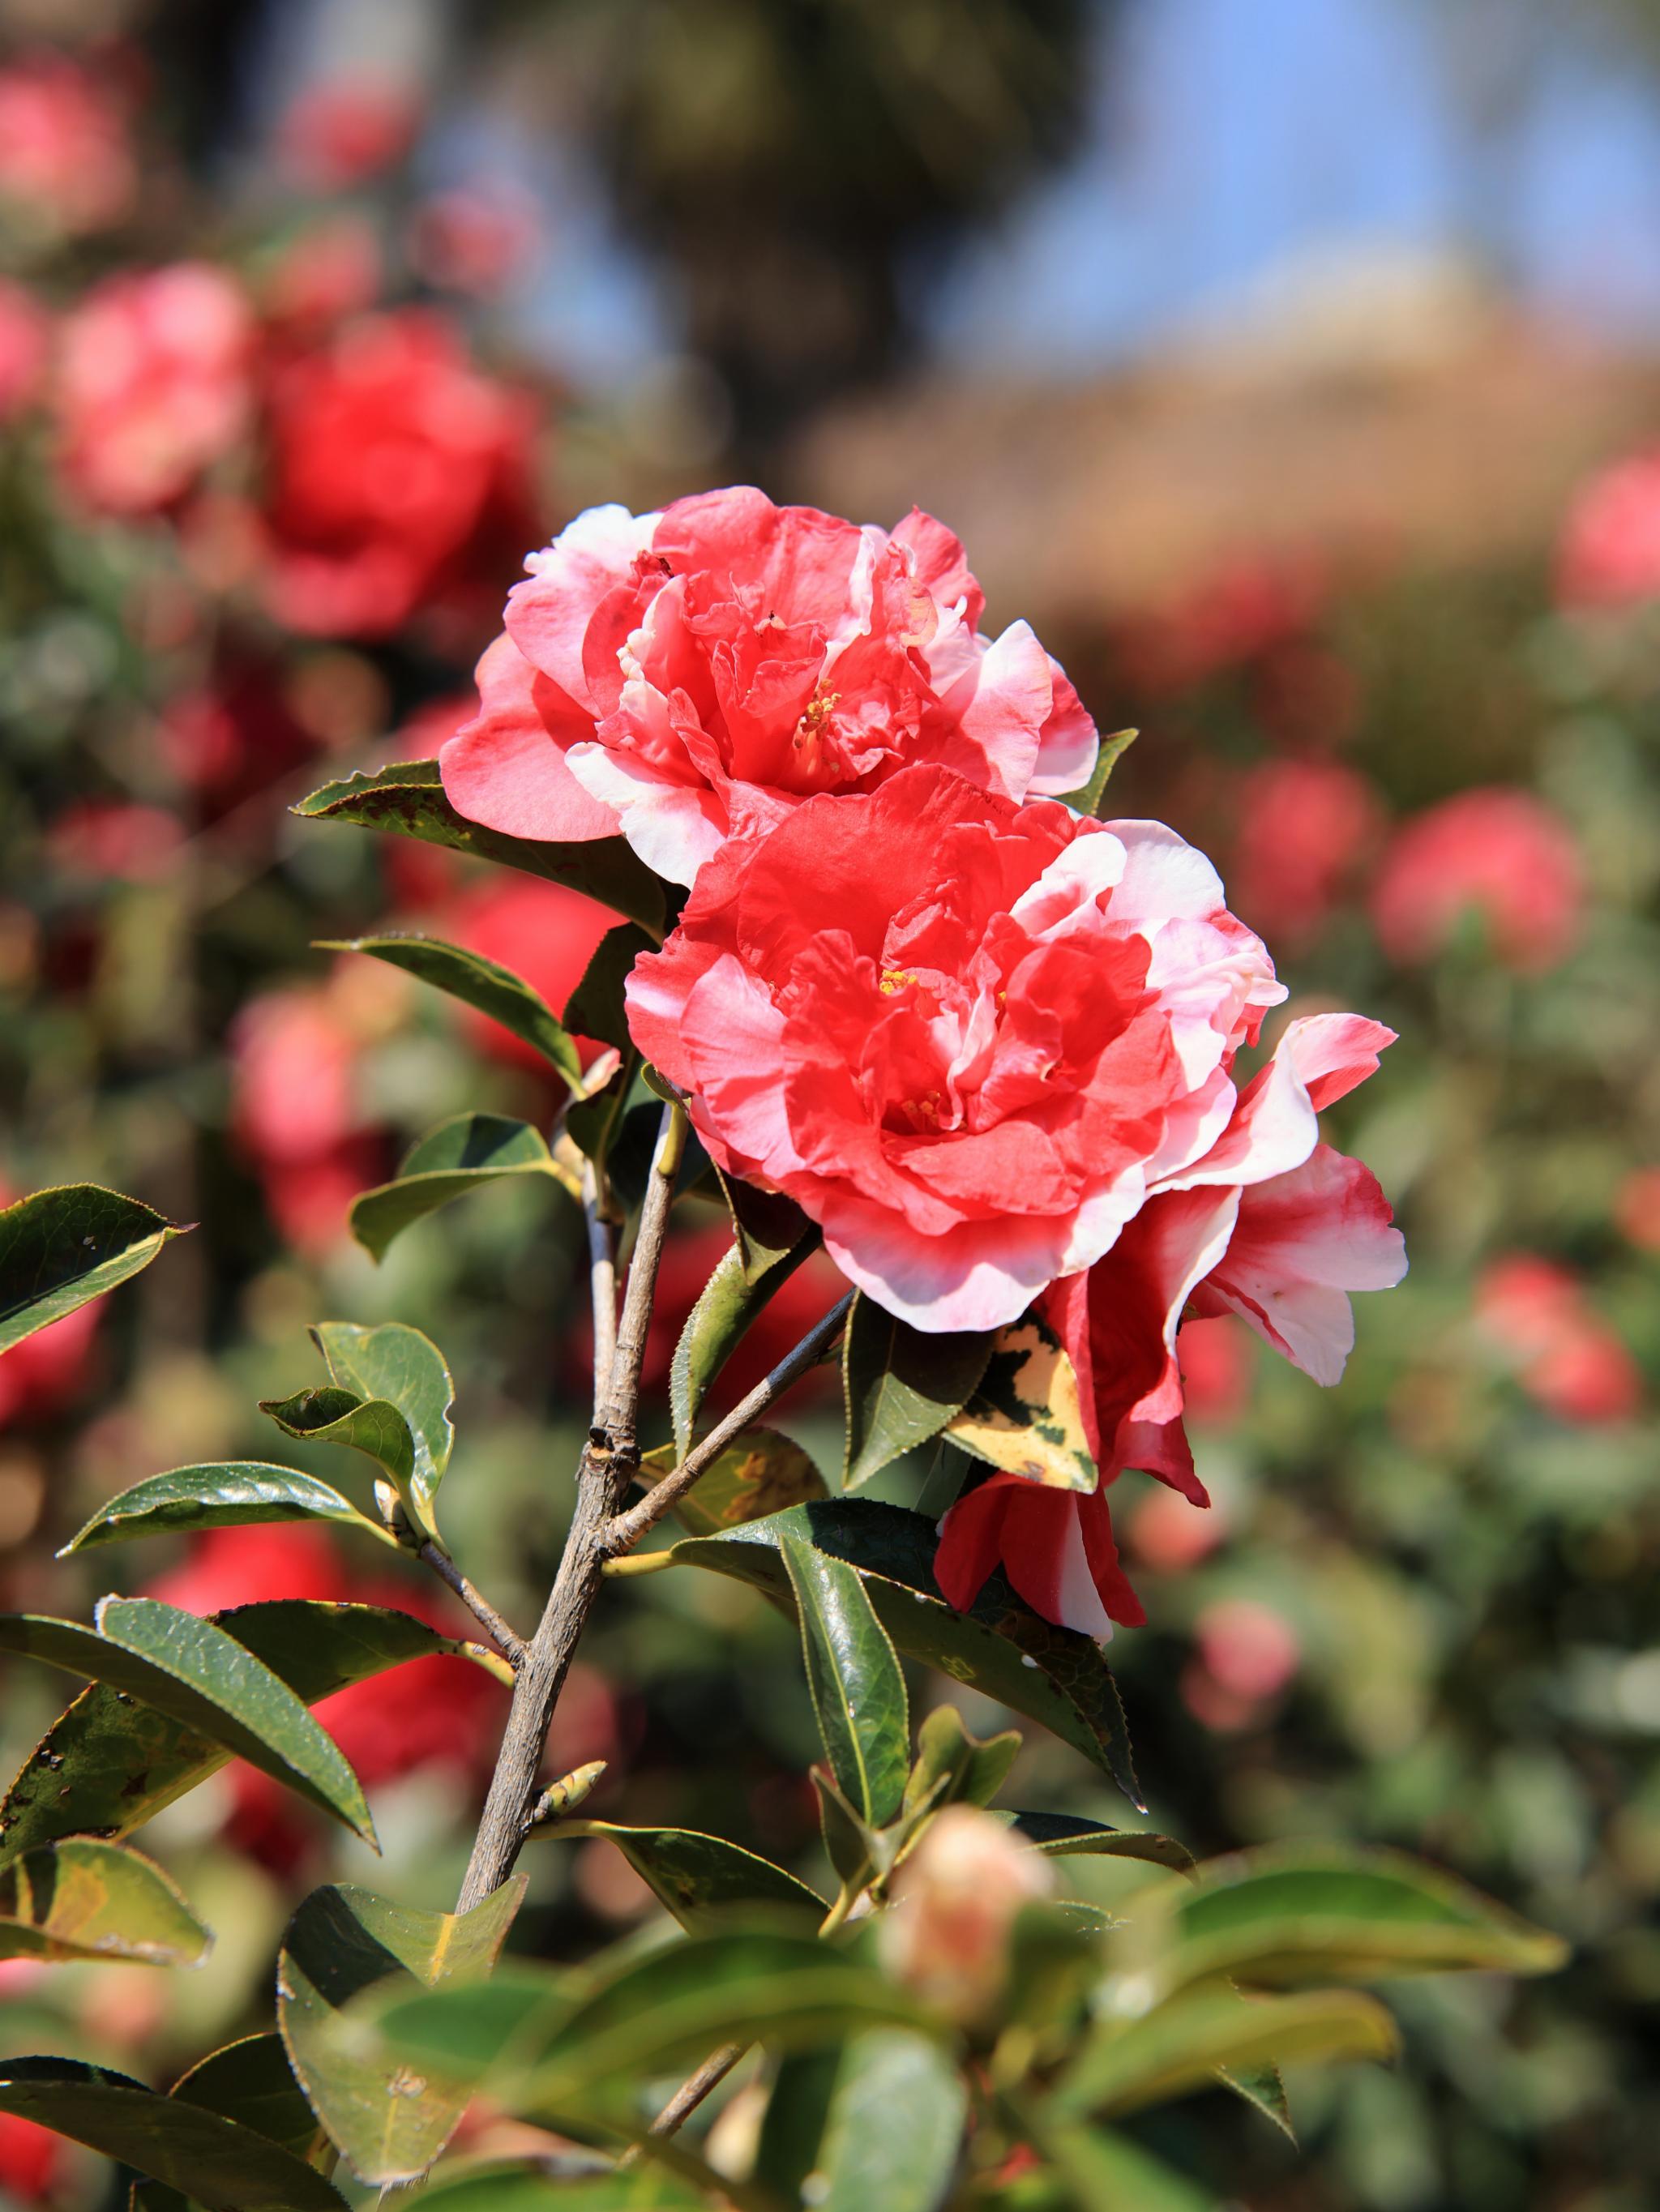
(970, 1039)
(1269, 1223)
(688, 676)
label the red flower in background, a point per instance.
(294, 1112)
(1497, 853)
(114, 840)
(544, 932)
(331, 270)
(1243, 609)
(400, 475)
(31, 2159)
(344, 132)
(1267, 1224)
(24, 342)
(1564, 1355)
(1247, 1654)
(1304, 825)
(1609, 551)
(65, 164)
(440, 1712)
(683, 676)
(153, 384)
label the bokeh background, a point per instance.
(1294, 366)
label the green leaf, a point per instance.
(597, 1008)
(760, 1473)
(390, 2122)
(766, 1224)
(895, 2130)
(483, 984)
(716, 1327)
(60, 1247)
(84, 1899)
(108, 1765)
(953, 1767)
(202, 1672)
(1125, 2064)
(462, 1154)
(249, 2082)
(210, 2160)
(546, 2185)
(1087, 799)
(855, 1849)
(640, 2017)
(694, 1876)
(902, 1385)
(1000, 1645)
(407, 798)
(1318, 1913)
(857, 1685)
(389, 1396)
(1025, 1415)
(232, 1493)
(1104, 2169)
(1060, 1835)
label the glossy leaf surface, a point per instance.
(465, 1153)
(61, 1247)
(854, 1673)
(485, 985)
(81, 1898)
(231, 1493)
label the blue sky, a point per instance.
(1229, 138)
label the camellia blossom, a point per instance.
(1609, 553)
(968, 1038)
(65, 164)
(1498, 853)
(24, 340)
(1564, 1355)
(1267, 1224)
(399, 473)
(153, 384)
(685, 676)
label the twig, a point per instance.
(691, 2094)
(610, 1461)
(602, 1272)
(474, 1599)
(627, 1528)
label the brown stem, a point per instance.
(609, 1462)
(602, 1272)
(629, 1528)
(691, 2094)
(474, 1599)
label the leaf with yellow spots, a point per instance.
(1026, 1416)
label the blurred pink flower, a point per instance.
(344, 132)
(544, 932)
(1243, 609)
(1609, 555)
(295, 1114)
(153, 383)
(401, 476)
(64, 160)
(1496, 851)
(24, 340)
(1214, 1357)
(473, 239)
(331, 270)
(1246, 1655)
(115, 839)
(1564, 1354)
(1302, 825)
(1167, 1536)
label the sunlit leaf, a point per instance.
(80, 1898)
(1125, 2064)
(232, 1493)
(1061, 1835)
(1026, 1416)
(208, 2160)
(761, 1472)
(390, 2122)
(953, 1767)
(693, 1876)
(407, 798)
(1000, 1645)
(902, 1385)
(485, 985)
(1319, 1913)
(895, 2128)
(111, 1763)
(549, 2185)
(716, 1324)
(60, 1247)
(389, 1396)
(766, 1225)
(249, 2082)
(465, 1153)
(854, 1677)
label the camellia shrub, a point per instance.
(885, 985)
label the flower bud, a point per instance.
(955, 1900)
